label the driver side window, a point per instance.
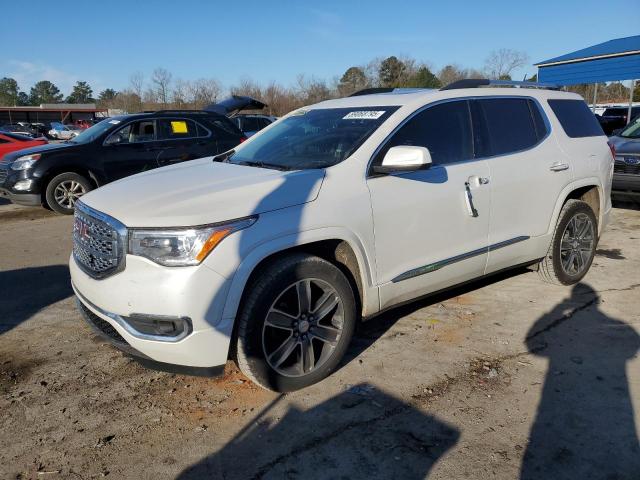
(135, 132)
(445, 129)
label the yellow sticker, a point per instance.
(179, 127)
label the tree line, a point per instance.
(162, 90)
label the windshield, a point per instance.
(313, 138)
(91, 133)
(632, 131)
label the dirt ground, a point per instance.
(505, 378)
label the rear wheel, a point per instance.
(296, 323)
(64, 190)
(573, 245)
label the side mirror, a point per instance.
(404, 159)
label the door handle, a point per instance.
(474, 181)
(558, 167)
(468, 197)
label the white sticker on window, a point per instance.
(364, 115)
(115, 122)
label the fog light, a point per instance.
(160, 326)
(22, 185)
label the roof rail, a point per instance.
(376, 90)
(485, 82)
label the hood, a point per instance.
(234, 104)
(49, 147)
(201, 191)
(625, 145)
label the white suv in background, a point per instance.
(272, 252)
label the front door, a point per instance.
(431, 226)
(132, 149)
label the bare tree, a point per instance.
(500, 64)
(161, 79)
(203, 92)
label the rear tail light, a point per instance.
(612, 147)
(242, 139)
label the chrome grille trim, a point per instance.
(98, 242)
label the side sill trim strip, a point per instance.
(432, 267)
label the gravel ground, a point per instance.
(505, 378)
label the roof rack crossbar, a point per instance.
(485, 82)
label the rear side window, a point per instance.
(444, 129)
(176, 128)
(576, 119)
(224, 127)
(505, 125)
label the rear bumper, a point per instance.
(625, 184)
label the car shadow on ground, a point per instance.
(584, 425)
(370, 331)
(26, 291)
(360, 433)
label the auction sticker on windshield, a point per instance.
(364, 115)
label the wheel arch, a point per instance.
(589, 190)
(344, 251)
(67, 168)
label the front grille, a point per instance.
(622, 167)
(97, 244)
(3, 175)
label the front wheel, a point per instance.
(573, 245)
(64, 190)
(296, 323)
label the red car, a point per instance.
(10, 142)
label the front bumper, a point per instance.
(144, 288)
(8, 178)
(26, 199)
(625, 184)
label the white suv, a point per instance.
(272, 252)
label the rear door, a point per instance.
(527, 174)
(182, 139)
(131, 149)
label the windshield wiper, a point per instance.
(260, 164)
(224, 157)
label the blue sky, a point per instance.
(104, 42)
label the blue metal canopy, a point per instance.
(614, 60)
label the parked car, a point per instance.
(18, 129)
(11, 142)
(41, 129)
(58, 174)
(83, 124)
(614, 118)
(275, 249)
(248, 123)
(60, 131)
(626, 171)
(252, 124)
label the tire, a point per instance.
(76, 185)
(557, 266)
(273, 322)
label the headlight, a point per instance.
(182, 247)
(25, 162)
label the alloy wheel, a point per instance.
(576, 246)
(67, 193)
(303, 327)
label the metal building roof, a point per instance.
(617, 59)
